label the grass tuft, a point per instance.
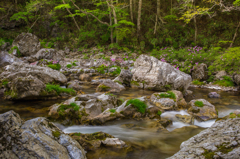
(137, 103)
(58, 89)
(168, 94)
(199, 103)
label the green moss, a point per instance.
(104, 87)
(232, 115)
(227, 82)
(69, 66)
(208, 154)
(58, 89)
(116, 72)
(15, 48)
(135, 83)
(77, 134)
(168, 94)
(224, 149)
(62, 108)
(159, 112)
(118, 81)
(137, 103)
(56, 133)
(197, 82)
(112, 110)
(167, 86)
(198, 103)
(5, 82)
(55, 66)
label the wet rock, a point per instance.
(50, 54)
(124, 77)
(114, 142)
(213, 95)
(110, 86)
(154, 112)
(27, 43)
(237, 112)
(74, 85)
(163, 103)
(7, 59)
(188, 92)
(44, 74)
(150, 73)
(35, 137)
(185, 118)
(85, 77)
(165, 122)
(236, 79)
(200, 72)
(205, 111)
(218, 141)
(104, 117)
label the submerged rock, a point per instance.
(27, 43)
(150, 73)
(213, 95)
(202, 109)
(35, 138)
(221, 140)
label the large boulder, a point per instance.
(7, 59)
(45, 74)
(150, 73)
(109, 85)
(236, 79)
(203, 111)
(27, 43)
(50, 54)
(124, 77)
(219, 141)
(200, 72)
(35, 138)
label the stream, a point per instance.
(146, 144)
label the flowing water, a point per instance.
(146, 142)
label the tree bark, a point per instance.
(72, 16)
(131, 10)
(139, 17)
(158, 15)
(235, 35)
(196, 30)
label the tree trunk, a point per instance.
(131, 10)
(235, 35)
(158, 15)
(110, 17)
(196, 30)
(139, 17)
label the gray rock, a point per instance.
(200, 72)
(124, 77)
(156, 75)
(185, 118)
(7, 59)
(220, 74)
(5, 46)
(50, 54)
(27, 43)
(219, 141)
(205, 112)
(74, 85)
(236, 79)
(35, 138)
(45, 74)
(109, 85)
(114, 142)
(85, 77)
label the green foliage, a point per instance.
(69, 66)
(101, 69)
(104, 87)
(236, 3)
(168, 94)
(159, 113)
(112, 110)
(211, 78)
(197, 82)
(138, 104)
(58, 89)
(229, 62)
(1, 42)
(117, 71)
(198, 103)
(62, 108)
(55, 66)
(227, 82)
(15, 48)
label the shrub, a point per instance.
(227, 82)
(199, 104)
(58, 89)
(55, 66)
(168, 94)
(229, 61)
(112, 110)
(137, 103)
(197, 82)
(69, 66)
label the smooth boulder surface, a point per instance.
(36, 138)
(150, 73)
(45, 74)
(27, 43)
(204, 113)
(221, 140)
(7, 59)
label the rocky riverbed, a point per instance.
(61, 104)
